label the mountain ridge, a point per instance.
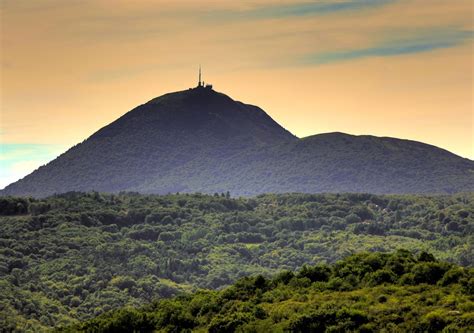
(337, 133)
(200, 140)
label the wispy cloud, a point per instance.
(298, 9)
(395, 47)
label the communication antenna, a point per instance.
(199, 82)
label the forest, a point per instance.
(72, 257)
(367, 292)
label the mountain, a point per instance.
(202, 140)
(338, 162)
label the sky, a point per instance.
(393, 68)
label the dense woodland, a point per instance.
(363, 293)
(72, 257)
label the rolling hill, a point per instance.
(70, 257)
(360, 293)
(199, 140)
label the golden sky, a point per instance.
(382, 67)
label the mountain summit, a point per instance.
(201, 140)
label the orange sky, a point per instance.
(388, 68)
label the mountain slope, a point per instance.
(148, 142)
(201, 140)
(337, 162)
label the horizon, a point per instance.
(396, 69)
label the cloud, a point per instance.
(297, 9)
(19, 160)
(395, 47)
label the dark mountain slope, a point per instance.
(337, 162)
(332, 162)
(201, 140)
(146, 144)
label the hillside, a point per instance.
(334, 163)
(74, 256)
(395, 292)
(146, 145)
(199, 140)
(338, 162)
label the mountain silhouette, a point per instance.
(199, 140)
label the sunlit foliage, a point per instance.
(74, 256)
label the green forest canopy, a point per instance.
(72, 257)
(365, 293)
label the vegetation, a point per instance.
(74, 256)
(364, 293)
(199, 140)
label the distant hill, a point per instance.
(338, 162)
(202, 140)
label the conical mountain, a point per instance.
(199, 140)
(193, 127)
